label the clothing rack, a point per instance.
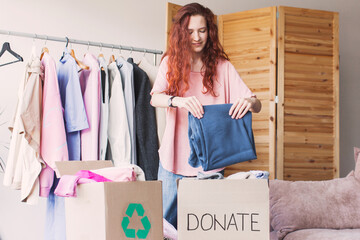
(82, 42)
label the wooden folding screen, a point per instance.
(249, 39)
(308, 90)
(171, 10)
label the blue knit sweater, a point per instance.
(217, 140)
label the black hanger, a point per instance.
(6, 47)
(67, 43)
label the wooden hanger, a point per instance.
(43, 50)
(79, 63)
(101, 56)
(6, 48)
(112, 59)
(101, 53)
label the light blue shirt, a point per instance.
(73, 104)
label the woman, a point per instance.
(195, 71)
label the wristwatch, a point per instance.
(170, 102)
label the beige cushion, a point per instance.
(333, 204)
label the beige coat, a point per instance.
(24, 163)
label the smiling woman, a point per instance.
(198, 34)
(195, 71)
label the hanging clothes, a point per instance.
(24, 163)
(127, 78)
(160, 113)
(90, 88)
(53, 148)
(118, 129)
(72, 102)
(53, 138)
(150, 70)
(145, 122)
(104, 108)
(75, 120)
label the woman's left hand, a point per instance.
(240, 107)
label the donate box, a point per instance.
(223, 209)
(112, 210)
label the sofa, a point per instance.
(316, 210)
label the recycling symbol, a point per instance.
(129, 232)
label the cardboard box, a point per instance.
(223, 209)
(112, 210)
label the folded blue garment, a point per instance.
(217, 140)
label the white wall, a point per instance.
(141, 23)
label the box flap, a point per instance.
(72, 167)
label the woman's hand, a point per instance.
(241, 106)
(192, 104)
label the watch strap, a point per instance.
(170, 102)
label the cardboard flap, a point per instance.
(72, 167)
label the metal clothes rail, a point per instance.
(82, 42)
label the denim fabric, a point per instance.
(169, 189)
(217, 140)
(260, 174)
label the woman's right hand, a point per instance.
(192, 104)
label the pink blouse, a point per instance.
(175, 149)
(53, 138)
(90, 87)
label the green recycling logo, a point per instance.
(129, 232)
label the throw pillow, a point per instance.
(333, 204)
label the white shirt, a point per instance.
(118, 128)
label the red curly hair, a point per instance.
(179, 52)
